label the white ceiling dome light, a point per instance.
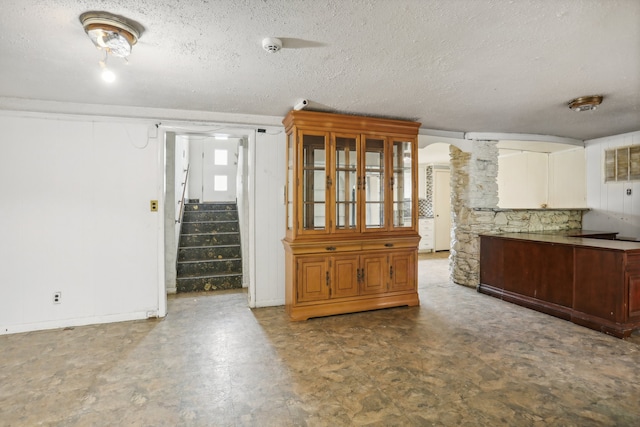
(112, 34)
(586, 103)
(271, 44)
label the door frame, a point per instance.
(166, 261)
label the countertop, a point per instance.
(574, 238)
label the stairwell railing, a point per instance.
(184, 189)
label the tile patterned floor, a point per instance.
(460, 359)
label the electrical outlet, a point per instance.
(153, 205)
(57, 297)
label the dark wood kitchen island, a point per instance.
(592, 281)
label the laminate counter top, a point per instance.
(586, 238)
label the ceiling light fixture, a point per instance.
(112, 34)
(586, 103)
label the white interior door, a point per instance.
(442, 209)
(219, 170)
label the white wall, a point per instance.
(611, 209)
(523, 180)
(567, 179)
(269, 217)
(76, 219)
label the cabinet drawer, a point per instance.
(387, 245)
(326, 248)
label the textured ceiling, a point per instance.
(453, 65)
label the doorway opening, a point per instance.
(207, 210)
(434, 198)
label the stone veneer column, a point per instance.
(474, 187)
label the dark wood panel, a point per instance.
(520, 268)
(634, 294)
(599, 285)
(591, 285)
(555, 280)
(491, 261)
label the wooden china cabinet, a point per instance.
(352, 232)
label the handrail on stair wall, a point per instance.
(184, 189)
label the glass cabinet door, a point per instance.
(346, 180)
(314, 183)
(402, 184)
(372, 185)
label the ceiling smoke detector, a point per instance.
(112, 33)
(272, 44)
(585, 103)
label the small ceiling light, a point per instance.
(110, 32)
(272, 44)
(586, 103)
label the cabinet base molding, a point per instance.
(328, 309)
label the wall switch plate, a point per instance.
(57, 297)
(154, 205)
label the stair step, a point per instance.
(210, 267)
(190, 207)
(209, 239)
(206, 216)
(210, 227)
(201, 253)
(209, 283)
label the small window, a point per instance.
(634, 162)
(622, 164)
(220, 157)
(220, 183)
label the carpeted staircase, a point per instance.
(209, 255)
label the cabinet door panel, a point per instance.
(345, 279)
(373, 184)
(402, 183)
(313, 279)
(402, 271)
(346, 183)
(375, 274)
(313, 192)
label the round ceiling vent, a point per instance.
(272, 44)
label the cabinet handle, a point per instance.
(359, 182)
(364, 182)
(392, 182)
(358, 275)
(362, 274)
(388, 245)
(330, 248)
(391, 272)
(327, 278)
